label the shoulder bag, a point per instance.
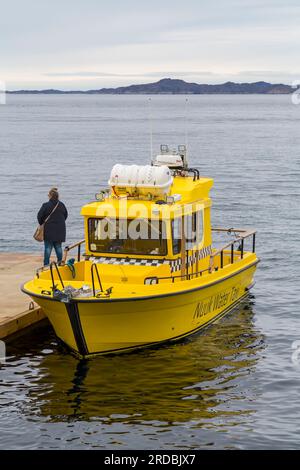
(39, 233)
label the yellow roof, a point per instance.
(190, 191)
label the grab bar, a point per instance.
(71, 247)
(94, 266)
(58, 274)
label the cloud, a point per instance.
(125, 75)
(84, 74)
(97, 44)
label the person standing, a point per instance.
(55, 226)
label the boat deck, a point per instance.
(131, 289)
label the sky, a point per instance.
(90, 44)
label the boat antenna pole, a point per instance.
(151, 129)
(185, 127)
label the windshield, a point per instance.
(130, 237)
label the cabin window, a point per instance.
(176, 235)
(190, 230)
(125, 236)
(193, 231)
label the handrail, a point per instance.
(195, 172)
(94, 266)
(187, 276)
(220, 251)
(39, 270)
(231, 230)
(53, 263)
(63, 261)
(244, 233)
(71, 247)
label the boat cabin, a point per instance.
(154, 216)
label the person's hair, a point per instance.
(53, 193)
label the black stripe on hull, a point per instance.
(72, 309)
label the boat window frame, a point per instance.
(189, 242)
(176, 241)
(126, 253)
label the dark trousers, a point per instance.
(48, 249)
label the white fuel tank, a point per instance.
(140, 180)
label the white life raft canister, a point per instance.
(141, 180)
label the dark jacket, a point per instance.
(55, 227)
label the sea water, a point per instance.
(234, 386)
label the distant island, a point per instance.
(169, 86)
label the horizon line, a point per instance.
(115, 89)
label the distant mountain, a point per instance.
(169, 86)
(173, 86)
(44, 92)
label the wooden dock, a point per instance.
(17, 312)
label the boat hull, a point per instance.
(101, 326)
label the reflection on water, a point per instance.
(199, 381)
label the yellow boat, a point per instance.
(149, 273)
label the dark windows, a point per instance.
(193, 231)
(130, 237)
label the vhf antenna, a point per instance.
(185, 125)
(151, 128)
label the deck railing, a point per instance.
(71, 247)
(64, 258)
(227, 249)
(243, 234)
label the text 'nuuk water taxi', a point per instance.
(149, 273)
